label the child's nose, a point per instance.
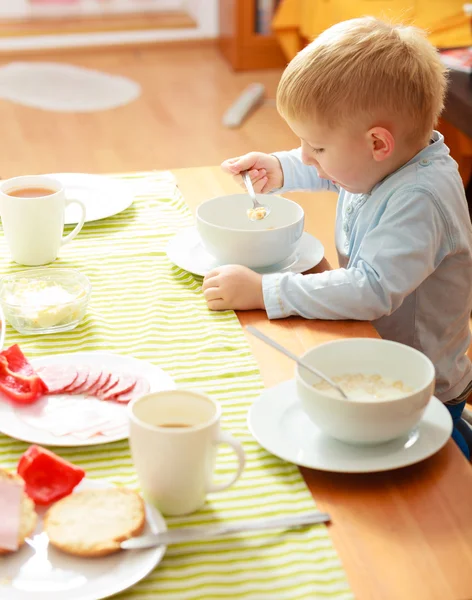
(307, 159)
(312, 162)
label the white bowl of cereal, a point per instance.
(229, 235)
(388, 387)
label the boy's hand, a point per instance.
(264, 170)
(233, 287)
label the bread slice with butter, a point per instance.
(28, 516)
(94, 522)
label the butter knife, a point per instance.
(192, 534)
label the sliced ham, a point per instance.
(95, 382)
(114, 379)
(142, 387)
(58, 377)
(93, 376)
(125, 384)
(101, 383)
(82, 376)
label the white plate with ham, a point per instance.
(87, 399)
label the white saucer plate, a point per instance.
(103, 196)
(15, 420)
(40, 572)
(187, 252)
(278, 422)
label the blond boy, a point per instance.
(364, 98)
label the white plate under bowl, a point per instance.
(279, 424)
(187, 252)
(40, 572)
(12, 416)
(103, 196)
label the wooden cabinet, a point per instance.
(243, 47)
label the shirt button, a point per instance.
(346, 227)
(349, 209)
(424, 162)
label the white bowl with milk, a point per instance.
(229, 235)
(388, 387)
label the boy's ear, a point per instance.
(381, 142)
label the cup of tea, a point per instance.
(32, 209)
(174, 436)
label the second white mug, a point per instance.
(174, 437)
(33, 223)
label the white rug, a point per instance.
(64, 88)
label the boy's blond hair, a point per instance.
(366, 67)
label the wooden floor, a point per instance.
(175, 123)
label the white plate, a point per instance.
(187, 252)
(37, 572)
(12, 416)
(278, 423)
(103, 196)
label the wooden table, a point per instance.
(401, 535)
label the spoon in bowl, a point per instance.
(294, 357)
(258, 210)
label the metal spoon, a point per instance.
(294, 357)
(258, 210)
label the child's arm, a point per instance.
(279, 172)
(410, 240)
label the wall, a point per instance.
(23, 8)
(205, 12)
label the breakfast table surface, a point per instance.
(400, 534)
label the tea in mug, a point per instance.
(32, 192)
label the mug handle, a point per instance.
(80, 224)
(225, 438)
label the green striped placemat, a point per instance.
(144, 306)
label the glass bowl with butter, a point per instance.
(44, 300)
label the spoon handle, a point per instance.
(249, 186)
(255, 332)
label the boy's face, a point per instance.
(342, 155)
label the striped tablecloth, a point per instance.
(144, 306)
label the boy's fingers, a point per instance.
(217, 305)
(243, 163)
(210, 279)
(256, 175)
(212, 293)
(228, 164)
(259, 186)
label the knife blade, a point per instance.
(192, 534)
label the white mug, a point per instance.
(174, 437)
(34, 226)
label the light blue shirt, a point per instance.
(405, 252)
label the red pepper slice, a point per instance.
(47, 476)
(17, 361)
(18, 380)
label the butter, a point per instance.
(41, 304)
